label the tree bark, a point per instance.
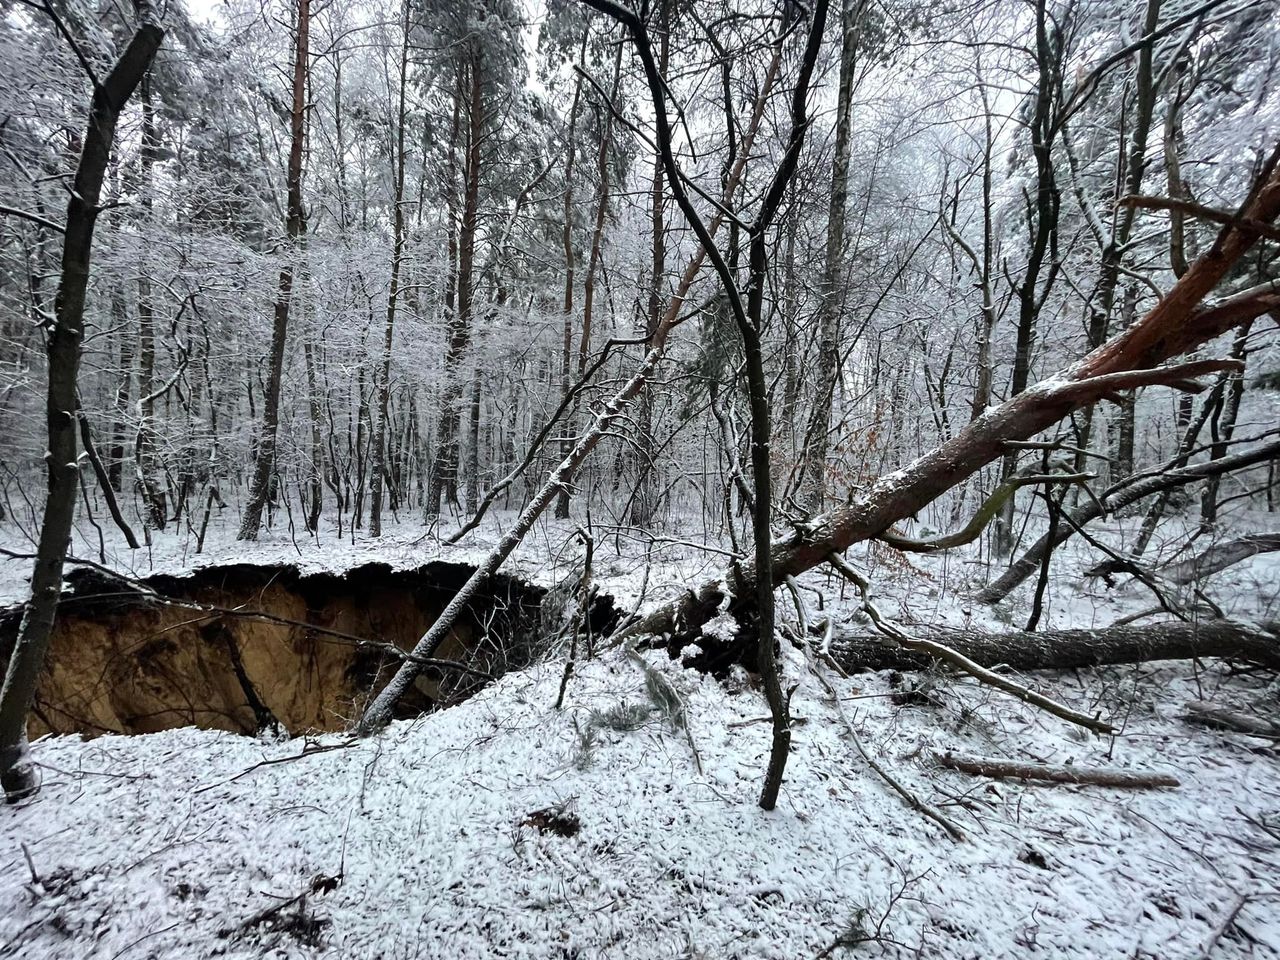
(17, 776)
(1071, 649)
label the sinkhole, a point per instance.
(249, 648)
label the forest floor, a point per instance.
(506, 827)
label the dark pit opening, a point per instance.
(248, 648)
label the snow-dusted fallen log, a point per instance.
(1220, 556)
(1050, 773)
(1069, 649)
(1211, 715)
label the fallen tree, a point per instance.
(1071, 649)
(1000, 768)
(1178, 323)
(1224, 718)
(1220, 556)
(1128, 492)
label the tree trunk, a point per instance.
(153, 497)
(17, 776)
(264, 464)
(597, 245)
(1044, 231)
(116, 455)
(645, 504)
(397, 253)
(1071, 649)
(1222, 424)
(566, 239)
(444, 472)
(814, 489)
(315, 486)
(1221, 556)
(1129, 178)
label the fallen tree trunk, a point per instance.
(1177, 324)
(1117, 498)
(1217, 558)
(1047, 773)
(1223, 718)
(1069, 649)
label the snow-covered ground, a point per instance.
(443, 836)
(172, 845)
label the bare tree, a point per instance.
(265, 459)
(65, 337)
(379, 465)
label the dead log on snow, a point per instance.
(1069, 649)
(1212, 715)
(1048, 773)
(1217, 558)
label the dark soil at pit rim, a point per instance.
(248, 648)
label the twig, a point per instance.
(31, 865)
(1225, 925)
(270, 763)
(914, 802)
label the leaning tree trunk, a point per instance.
(17, 776)
(1220, 556)
(264, 463)
(1119, 497)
